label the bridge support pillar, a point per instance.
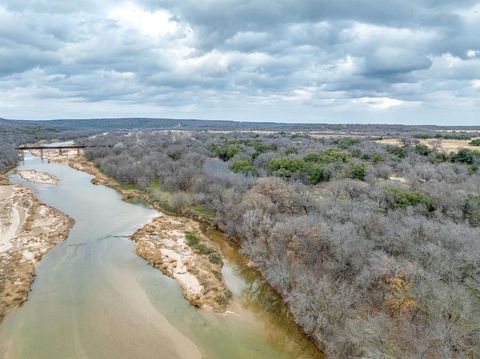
(60, 151)
(41, 153)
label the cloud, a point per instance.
(387, 61)
(134, 18)
(22, 58)
(293, 60)
(379, 103)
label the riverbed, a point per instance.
(95, 298)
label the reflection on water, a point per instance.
(257, 296)
(95, 298)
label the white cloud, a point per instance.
(156, 23)
(234, 59)
(472, 53)
(379, 103)
(366, 35)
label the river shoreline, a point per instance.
(164, 245)
(196, 268)
(29, 229)
(79, 162)
(90, 296)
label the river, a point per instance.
(93, 297)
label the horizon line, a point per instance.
(237, 121)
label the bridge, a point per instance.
(59, 148)
(37, 147)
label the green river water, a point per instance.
(93, 297)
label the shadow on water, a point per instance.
(255, 295)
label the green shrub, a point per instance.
(422, 149)
(466, 156)
(215, 258)
(318, 173)
(129, 185)
(422, 136)
(217, 275)
(285, 167)
(314, 157)
(226, 152)
(244, 166)
(358, 172)
(313, 165)
(475, 142)
(397, 151)
(345, 142)
(192, 239)
(283, 173)
(399, 198)
(258, 145)
(203, 249)
(377, 158)
(437, 157)
(355, 152)
(291, 150)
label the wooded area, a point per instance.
(374, 247)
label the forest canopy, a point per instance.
(374, 247)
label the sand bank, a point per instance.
(37, 177)
(197, 268)
(163, 244)
(28, 230)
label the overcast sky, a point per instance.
(368, 61)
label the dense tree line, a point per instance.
(14, 132)
(375, 248)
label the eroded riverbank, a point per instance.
(28, 230)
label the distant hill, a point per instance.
(114, 124)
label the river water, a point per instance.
(93, 297)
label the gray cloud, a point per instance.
(324, 60)
(21, 59)
(387, 61)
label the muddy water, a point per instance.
(95, 298)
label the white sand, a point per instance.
(11, 217)
(37, 177)
(28, 229)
